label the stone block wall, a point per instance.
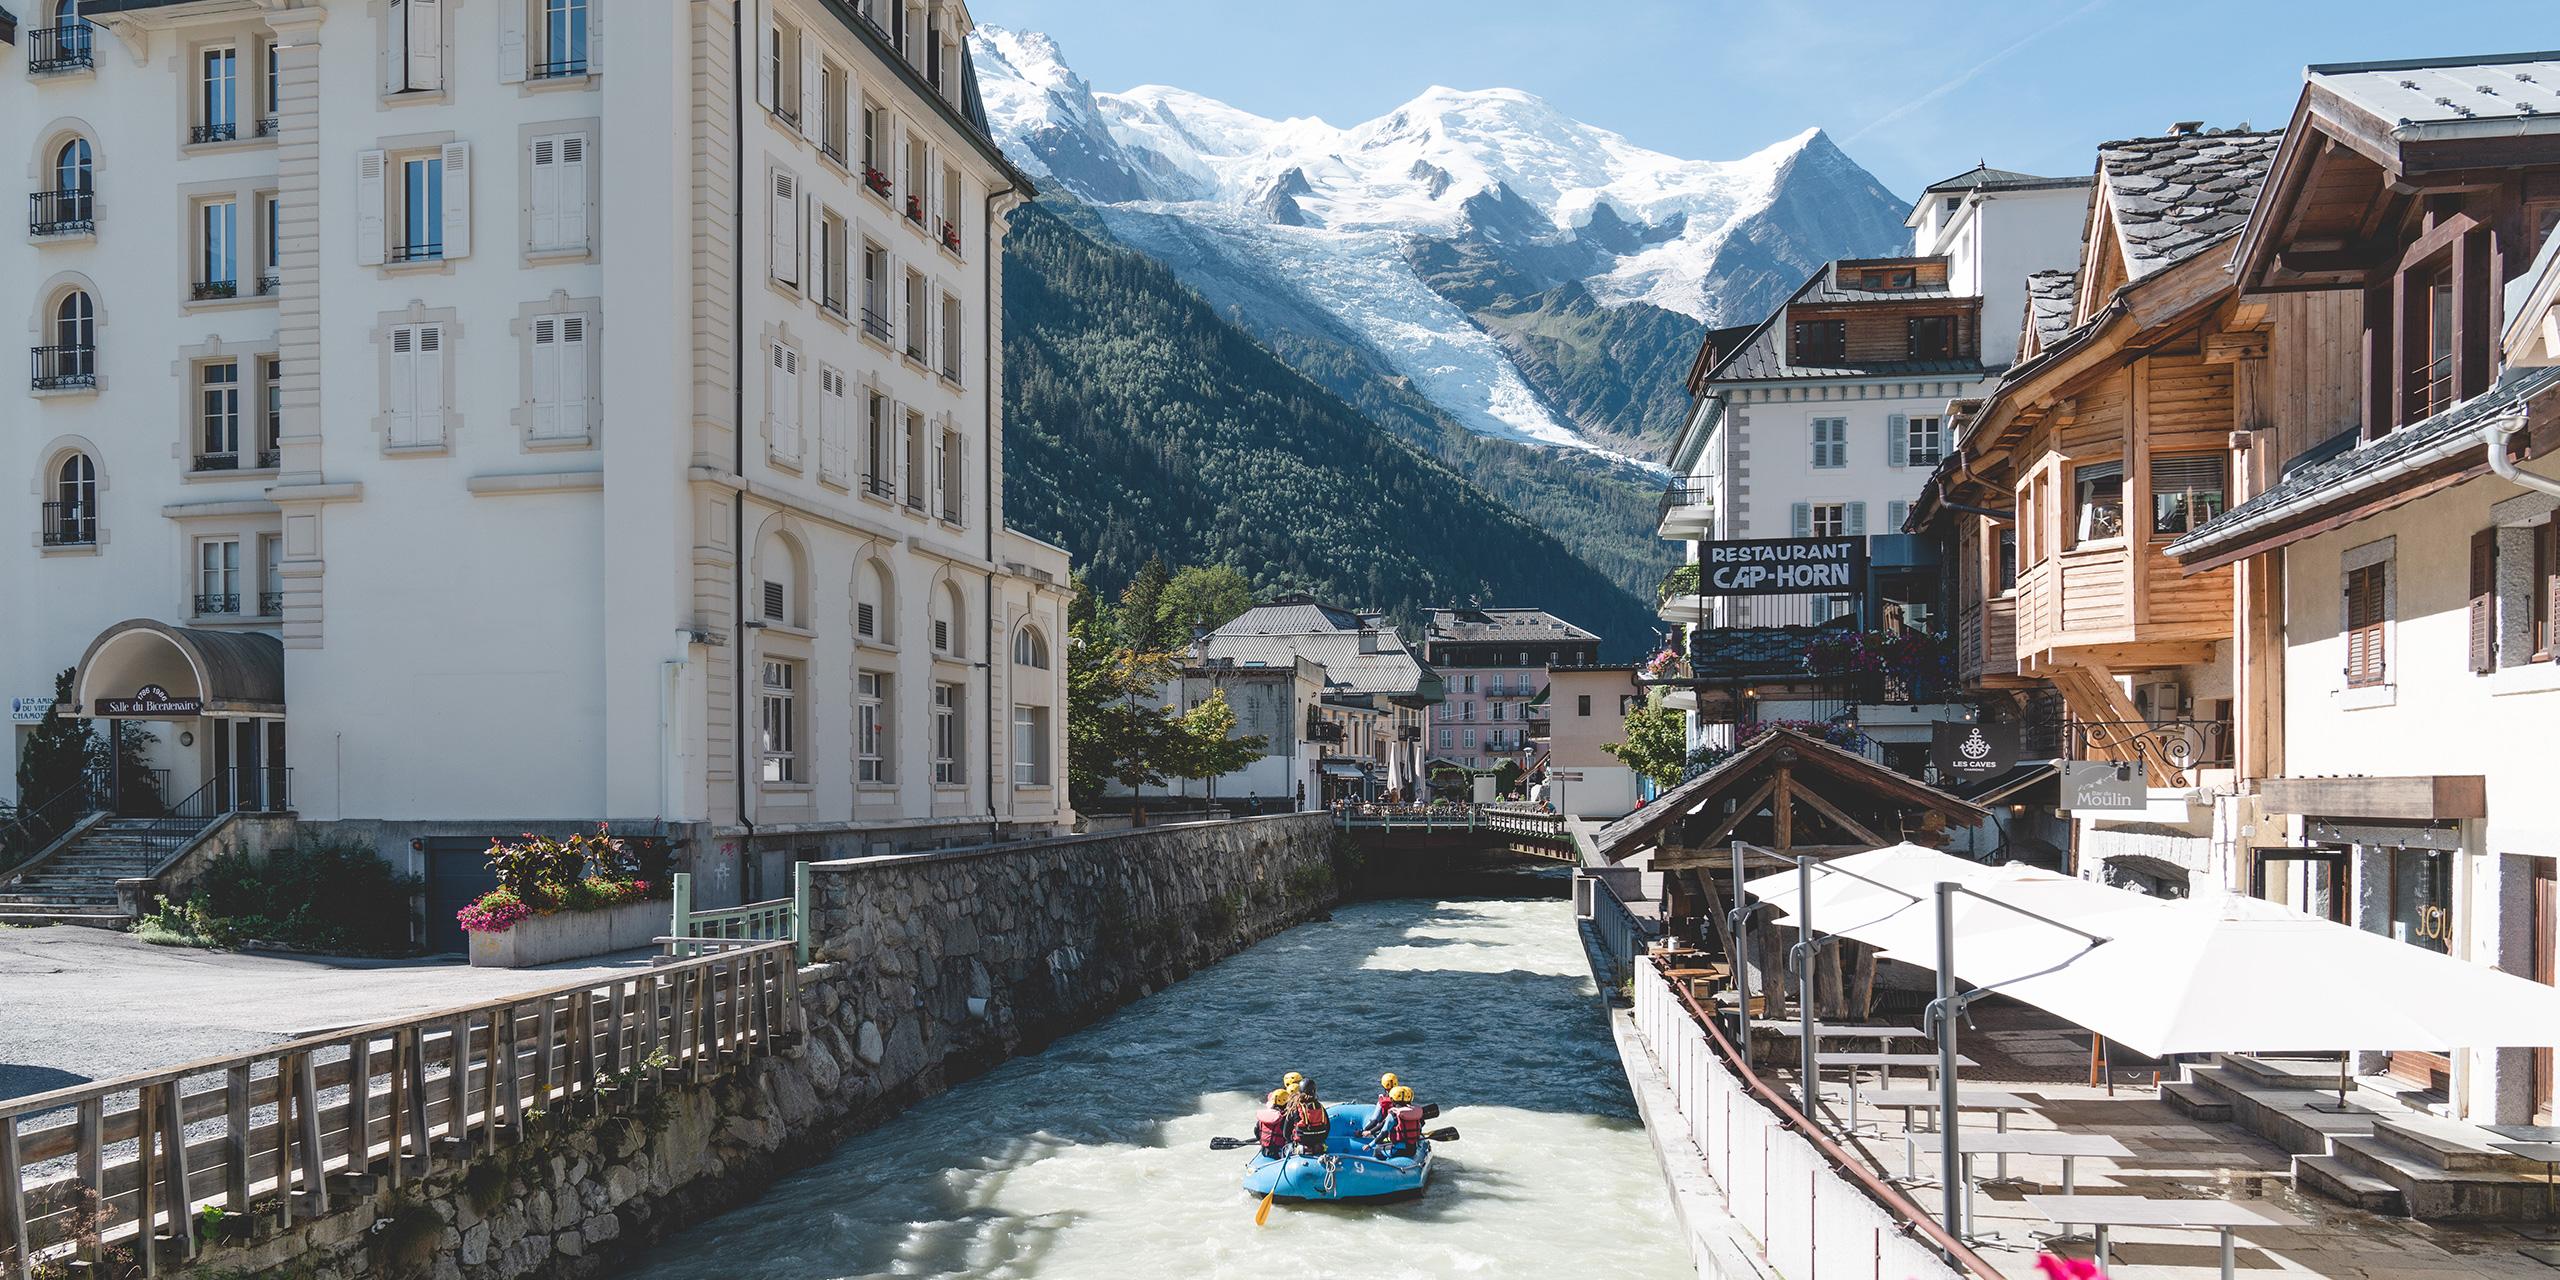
(929, 968)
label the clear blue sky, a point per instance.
(1913, 91)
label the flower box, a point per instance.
(571, 935)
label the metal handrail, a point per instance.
(61, 48)
(1684, 493)
(62, 212)
(70, 524)
(218, 131)
(54, 368)
(30, 827)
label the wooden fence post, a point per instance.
(800, 923)
(13, 1203)
(680, 927)
(314, 1161)
(235, 1139)
(173, 1140)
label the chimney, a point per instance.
(2186, 128)
(1368, 639)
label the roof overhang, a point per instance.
(2137, 314)
(223, 673)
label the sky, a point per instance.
(1913, 91)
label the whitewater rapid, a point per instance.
(1092, 1159)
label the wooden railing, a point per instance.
(772, 920)
(126, 1177)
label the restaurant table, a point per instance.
(1911, 1100)
(2066, 1147)
(1885, 1063)
(2102, 1212)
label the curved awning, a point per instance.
(145, 670)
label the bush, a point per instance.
(313, 896)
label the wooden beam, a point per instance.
(1782, 807)
(2425, 798)
(1724, 829)
(1851, 826)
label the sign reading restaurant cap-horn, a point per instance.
(1972, 752)
(1783, 566)
(149, 701)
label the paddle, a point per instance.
(1442, 1135)
(1262, 1213)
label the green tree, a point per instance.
(1114, 730)
(1200, 599)
(1142, 607)
(60, 752)
(1202, 742)
(1657, 744)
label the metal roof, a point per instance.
(1500, 624)
(2427, 98)
(1764, 354)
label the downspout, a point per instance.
(2493, 435)
(738, 427)
(987, 507)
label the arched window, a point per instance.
(778, 567)
(1030, 649)
(948, 615)
(875, 614)
(72, 360)
(69, 206)
(71, 166)
(71, 519)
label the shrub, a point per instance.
(313, 896)
(497, 911)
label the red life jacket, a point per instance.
(1407, 1119)
(1271, 1129)
(1313, 1127)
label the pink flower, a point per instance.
(2068, 1268)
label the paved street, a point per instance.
(86, 1004)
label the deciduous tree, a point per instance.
(1657, 743)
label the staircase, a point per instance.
(77, 885)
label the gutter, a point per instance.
(738, 428)
(2196, 545)
(2493, 436)
(987, 508)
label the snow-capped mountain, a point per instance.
(1505, 259)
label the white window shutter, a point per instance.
(832, 428)
(769, 43)
(511, 56)
(546, 192)
(404, 384)
(1897, 440)
(1895, 512)
(457, 199)
(576, 411)
(1854, 524)
(573, 191)
(370, 208)
(773, 399)
(430, 362)
(812, 101)
(1800, 520)
(595, 36)
(783, 247)
(545, 391)
(791, 401)
(426, 44)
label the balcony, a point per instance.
(217, 604)
(1987, 640)
(270, 604)
(62, 213)
(69, 47)
(70, 524)
(62, 368)
(223, 131)
(563, 68)
(1687, 509)
(880, 487)
(875, 324)
(209, 290)
(224, 461)
(429, 252)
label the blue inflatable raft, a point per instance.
(1348, 1170)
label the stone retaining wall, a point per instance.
(930, 968)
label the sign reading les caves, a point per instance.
(1973, 752)
(1783, 566)
(149, 701)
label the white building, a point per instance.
(1374, 684)
(531, 469)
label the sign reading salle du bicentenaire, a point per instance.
(1783, 566)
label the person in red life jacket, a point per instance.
(1311, 1125)
(1272, 1125)
(1403, 1134)
(1377, 1121)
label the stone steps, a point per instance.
(19, 917)
(2192, 1100)
(2330, 1176)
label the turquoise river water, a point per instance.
(1092, 1159)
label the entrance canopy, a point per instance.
(2232, 975)
(146, 670)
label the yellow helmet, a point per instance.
(1402, 1094)
(1387, 1081)
(1277, 1097)
(1293, 1080)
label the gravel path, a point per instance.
(86, 1004)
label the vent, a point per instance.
(942, 635)
(773, 601)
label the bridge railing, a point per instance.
(139, 1173)
(1516, 821)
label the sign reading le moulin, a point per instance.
(150, 700)
(2104, 786)
(1783, 566)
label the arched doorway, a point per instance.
(218, 697)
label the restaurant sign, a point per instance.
(150, 702)
(29, 710)
(1783, 566)
(1972, 752)
(2104, 786)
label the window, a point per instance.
(835, 424)
(2098, 497)
(911, 182)
(1923, 441)
(559, 193)
(951, 338)
(72, 360)
(781, 72)
(271, 436)
(417, 385)
(2367, 609)
(1468, 737)
(1030, 649)
(2431, 382)
(1499, 709)
(782, 230)
(417, 46)
(1494, 684)
(271, 575)
(71, 205)
(271, 261)
(915, 460)
(947, 734)
(218, 391)
(947, 616)
(2483, 610)
(1467, 683)
(947, 227)
(871, 737)
(1445, 736)
(782, 404)
(1819, 342)
(879, 454)
(875, 291)
(2186, 491)
(560, 397)
(218, 96)
(421, 209)
(218, 249)
(2007, 568)
(1582, 704)
(832, 123)
(1830, 443)
(2545, 588)
(914, 320)
(1030, 746)
(425, 212)
(875, 142)
(778, 721)
(217, 576)
(832, 266)
(271, 89)
(1829, 520)
(564, 39)
(1930, 337)
(947, 473)
(71, 519)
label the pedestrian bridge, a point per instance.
(1458, 828)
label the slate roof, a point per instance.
(2050, 299)
(2425, 98)
(1500, 624)
(2172, 197)
(2329, 477)
(1764, 354)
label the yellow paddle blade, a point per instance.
(1263, 1214)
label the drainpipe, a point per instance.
(2493, 435)
(738, 635)
(997, 722)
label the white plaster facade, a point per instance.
(533, 475)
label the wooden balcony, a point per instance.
(1987, 642)
(2088, 605)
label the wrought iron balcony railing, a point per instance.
(270, 457)
(211, 604)
(558, 68)
(62, 213)
(216, 131)
(209, 289)
(56, 368)
(269, 285)
(427, 252)
(269, 126)
(64, 48)
(881, 487)
(228, 460)
(875, 324)
(270, 604)
(1684, 493)
(70, 524)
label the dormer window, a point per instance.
(1930, 337)
(1886, 279)
(1818, 342)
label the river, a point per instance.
(1092, 1159)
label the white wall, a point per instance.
(1999, 239)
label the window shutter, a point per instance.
(572, 197)
(770, 50)
(457, 199)
(2484, 601)
(575, 414)
(813, 105)
(1854, 520)
(429, 363)
(546, 378)
(831, 424)
(546, 192)
(404, 385)
(1800, 520)
(773, 399)
(784, 249)
(595, 36)
(1897, 440)
(511, 56)
(426, 44)
(773, 600)
(371, 208)
(866, 620)
(1895, 512)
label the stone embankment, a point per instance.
(929, 968)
